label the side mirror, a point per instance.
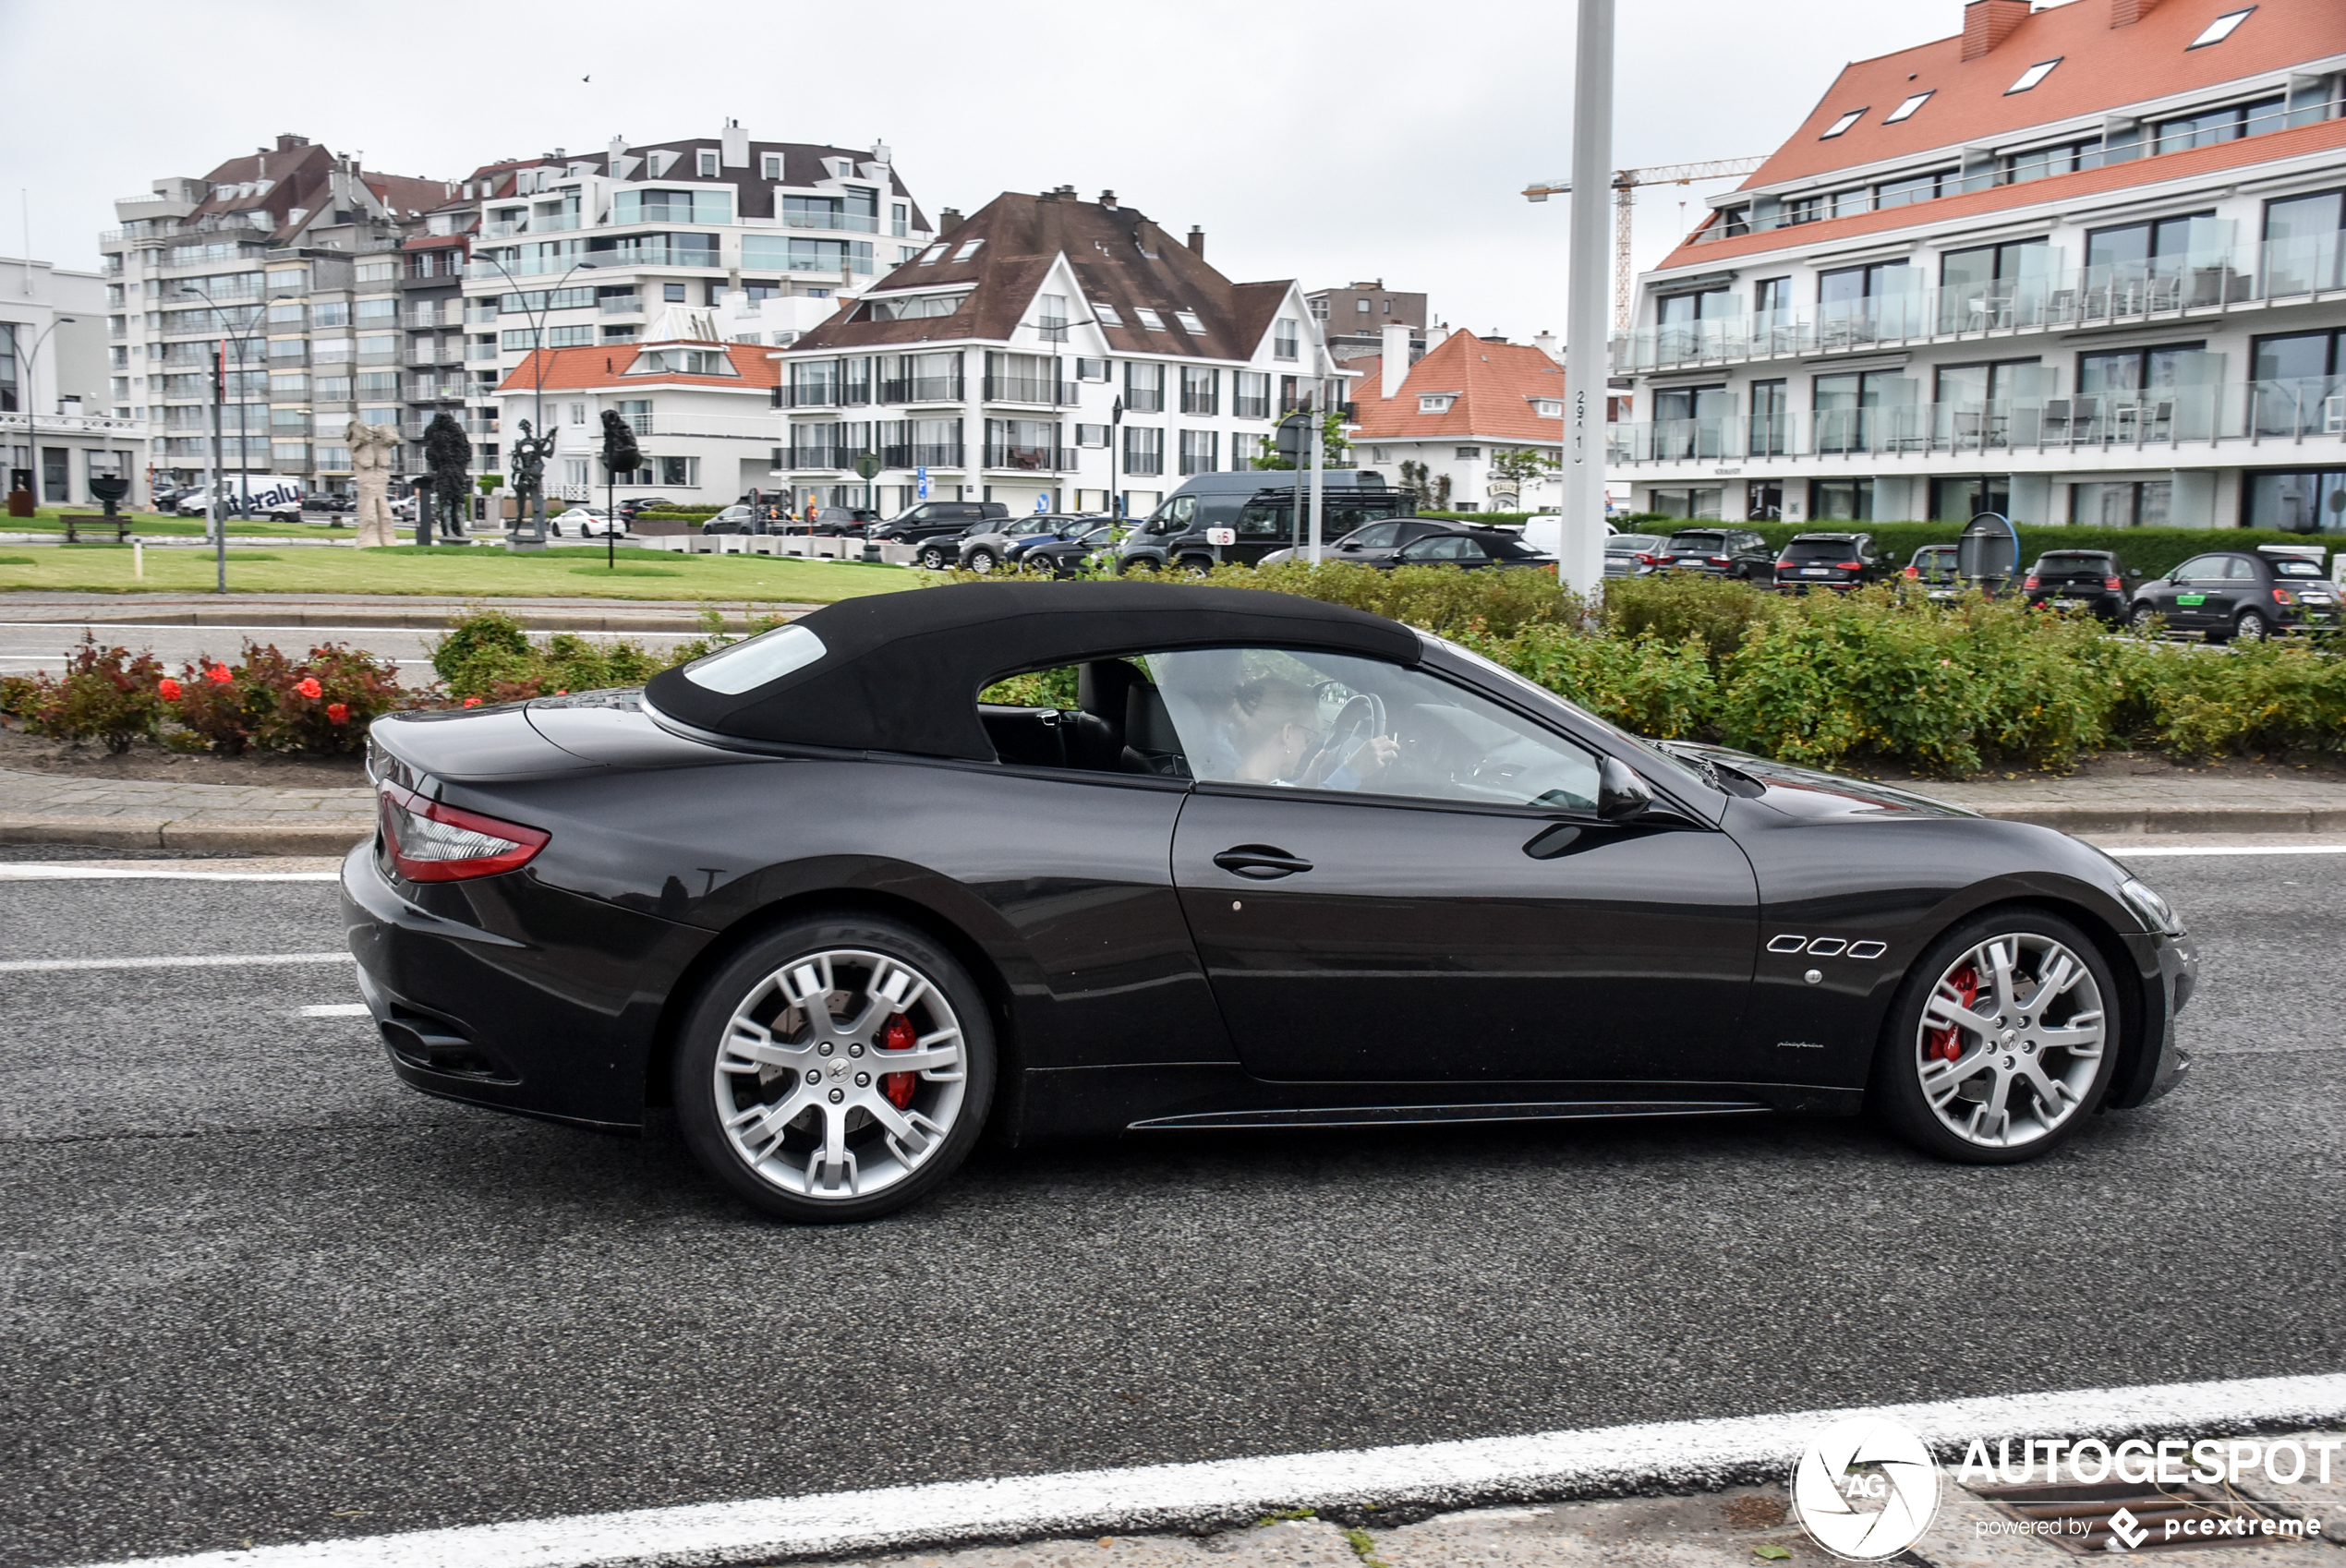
(1621, 794)
(2135, 574)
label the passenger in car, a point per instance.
(1274, 736)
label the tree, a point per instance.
(1524, 466)
(1332, 441)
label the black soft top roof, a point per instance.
(901, 671)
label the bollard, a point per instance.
(138, 557)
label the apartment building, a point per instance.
(1048, 352)
(58, 430)
(1454, 410)
(591, 248)
(1353, 318)
(2080, 264)
(284, 264)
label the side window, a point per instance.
(1334, 722)
(2199, 568)
(1181, 510)
(1260, 523)
(1377, 535)
(2239, 570)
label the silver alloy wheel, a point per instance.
(2252, 627)
(982, 560)
(806, 1072)
(2010, 1040)
(934, 559)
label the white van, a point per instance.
(261, 493)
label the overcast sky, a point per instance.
(1329, 143)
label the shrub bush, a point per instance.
(107, 693)
(488, 655)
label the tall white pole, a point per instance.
(1319, 450)
(1581, 560)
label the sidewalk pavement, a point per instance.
(428, 611)
(213, 819)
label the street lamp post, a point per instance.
(1581, 561)
(244, 445)
(31, 420)
(538, 352)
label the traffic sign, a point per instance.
(920, 484)
(867, 466)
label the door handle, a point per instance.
(1260, 862)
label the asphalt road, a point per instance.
(27, 646)
(255, 1291)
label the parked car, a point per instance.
(1186, 533)
(738, 519)
(1089, 552)
(587, 521)
(1721, 553)
(1369, 544)
(1935, 569)
(2235, 593)
(1579, 909)
(1468, 548)
(1633, 555)
(2081, 579)
(936, 520)
(283, 511)
(633, 505)
(989, 547)
(1838, 561)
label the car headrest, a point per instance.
(1148, 728)
(1101, 685)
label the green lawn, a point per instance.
(462, 571)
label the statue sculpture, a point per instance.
(372, 448)
(448, 454)
(529, 455)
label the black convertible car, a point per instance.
(1281, 864)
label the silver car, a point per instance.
(1632, 555)
(983, 552)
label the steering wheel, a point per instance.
(1355, 722)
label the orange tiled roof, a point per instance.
(1494, 383)
(604, 365)
(2102, 68)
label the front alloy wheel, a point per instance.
(2004, 1036)
(934, 559)
(837, 1071)
(980, 562)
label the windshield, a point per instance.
(2074, 560)
(1655, 763)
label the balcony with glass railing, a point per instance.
(921, 389)
(837, 222)
(2251, 274)
(2292, 413)
(1030, 389)
(907, 456)
(1019, 457)
(619, 305)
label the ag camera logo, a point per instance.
(1865, 1488)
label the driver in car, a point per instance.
(1273, 737)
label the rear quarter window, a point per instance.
(2294, 566)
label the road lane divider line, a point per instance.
(333, 1010)
(69, 872)
(2224, 849)
(1608, 1461)
(184, 960)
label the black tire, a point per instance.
(934, 559)
(1194, 565)
(2141, 616)
(980, 562)
(2252, 627)
(1896, 1092)
(953, 998)
(1137, 564)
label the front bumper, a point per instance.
(2170, 972)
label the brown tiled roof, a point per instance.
(802, 165)
(1118, 256)
(2190, 163)
(301, 176)
(1494, 383)
(2102, 67)
(605, 366)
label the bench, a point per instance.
(96, 523)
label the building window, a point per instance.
(1905, 109)
(773, 162)
(1251, 394)
(1960, 500)
(1770, 418)
(2302, 248)
(2213, 126)
(1914, 188)
(1201, 391)
(1149, 319)
(1770, 295)
(1468, 454)
(1199, 452)
(1380, 455)
(1144, 388)
(1285, 336)
(1090, 435)
(1091, 370)
(2305, 501)
(1695, 504)
(673, 293)
(706, 164)
(2218, 30)
(1841, 124)
(1106, 314)
(1840, 500)
(682, 472)
(1190, 322)
(2297, 388)
(2125, 504)
(1144, 451)
(2032, 76)
(1436, 403)
(2044, 162)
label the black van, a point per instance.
(1220, 519)
(936, 519)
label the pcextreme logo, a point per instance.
(1865, 1488)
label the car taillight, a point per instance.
(2283, 595)
(433, 842)
(1718, 561)
(1853, 566)
(1784, 565)
(2114, 584)
(1645, 560)
(2029, 582)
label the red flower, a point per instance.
(309, 687)
(472, 702)
(217, 674)
(167, 689)
(338, 713)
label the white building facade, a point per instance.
(2076, 265)
(1048, 354)
(58, 428)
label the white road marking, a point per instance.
(73, 872)
(2226, 849)
(1676, 1455)
(333, 1010)
(189, 960)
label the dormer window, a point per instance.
(843, 168)
(1190, 323)
(1548, 407)
(2034, 75)
(707, 163)
(773, 166)
(1439, 403)
(1843, 124)
(1149, 318)
(2218, 30)
(1907, 108)
(682, 361)
(1105, 313)
(970, 249)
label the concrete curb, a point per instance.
(2294, 820)
(398, 620)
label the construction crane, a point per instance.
(1625, 188)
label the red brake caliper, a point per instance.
(899, 1036)
(1946, 1044)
